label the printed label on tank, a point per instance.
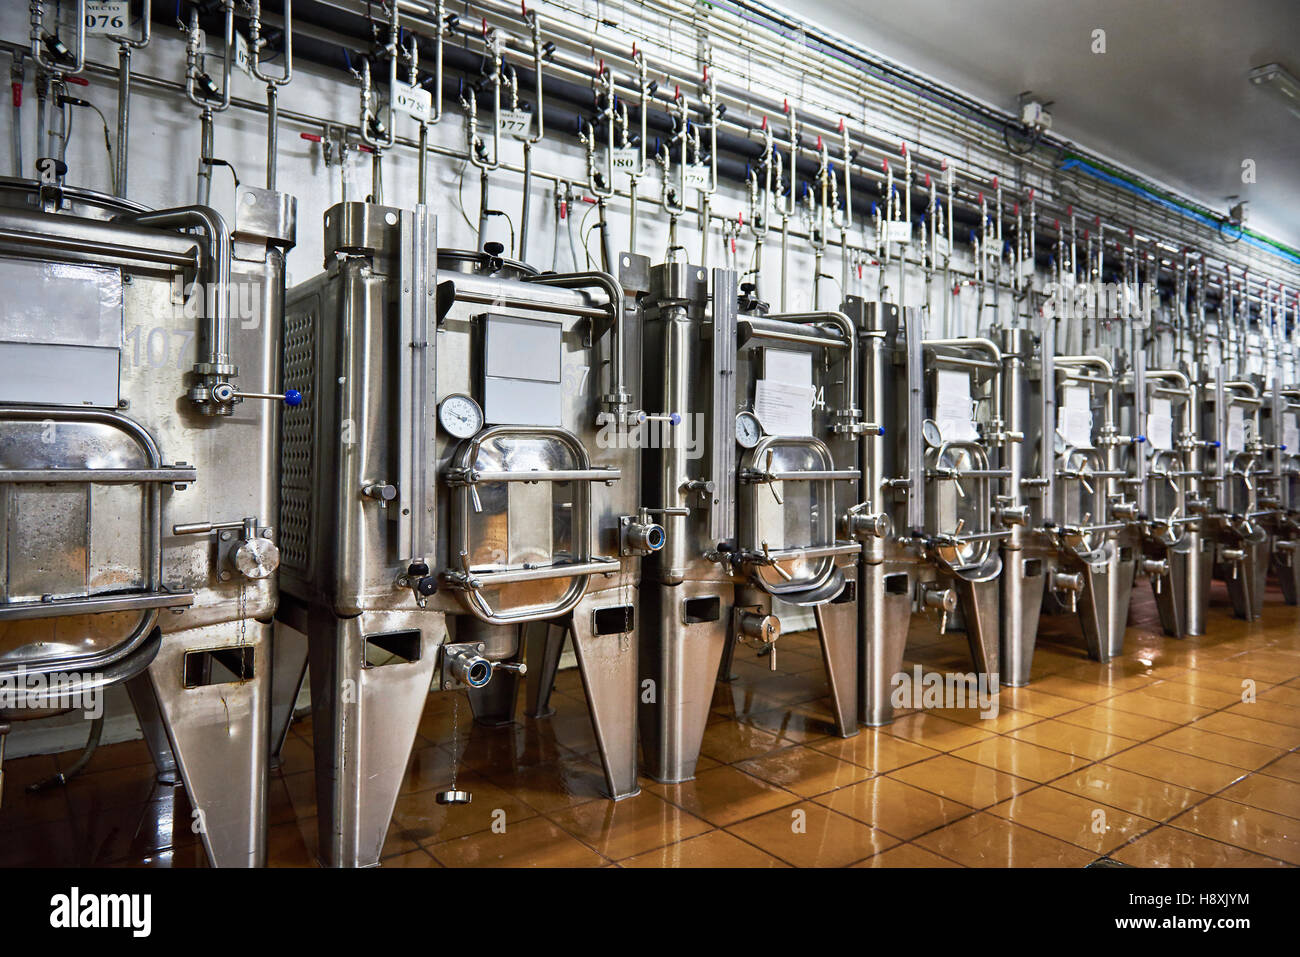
(784, 408)
(1160, 425)
(1074, 418)
(953, 406)
(784, 397)
(522, 371)
(1236, 439)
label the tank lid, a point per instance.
(488, 262)
(17, 192)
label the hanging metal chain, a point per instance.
(455, 739)
(452, 795)
(242, 630)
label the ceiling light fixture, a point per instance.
(1275, 77)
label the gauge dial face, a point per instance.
(1059, 443)
(930, 432)
(460, 415)
(748, 431)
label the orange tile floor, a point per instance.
(1152, 760)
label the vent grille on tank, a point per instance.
(296, 447)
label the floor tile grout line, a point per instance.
(1269, 645)
(1036, 785)
(1207, 797)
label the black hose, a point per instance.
(88, 752)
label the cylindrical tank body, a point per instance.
(460, 471)
(138, 492)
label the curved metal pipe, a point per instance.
(617, 400)
(1083, 362)
(849, 332)
(37, 12)
(214, 365)
(273, 83)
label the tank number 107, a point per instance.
(158, 347)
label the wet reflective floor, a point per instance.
(1181, 753)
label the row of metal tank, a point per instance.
(425, 469)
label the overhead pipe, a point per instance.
(273, 83)
(126, 44)
(195, 77)
(535, 135)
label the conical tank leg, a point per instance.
(1200, 568)
(544, 644)
(365, 717)
(212, 689)
(1170, 593)
(1094, 609)
(838, 635)
(1021, 585)
(884, 614)
(604, 638)
(683, 630)
(288, 669)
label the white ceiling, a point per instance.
(1169, 98)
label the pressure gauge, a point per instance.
(1059, 443)
(930, 432)
(748, 431)
(460, 415)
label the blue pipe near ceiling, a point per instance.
(1174, 206)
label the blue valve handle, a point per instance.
(672, 418)
(226, 392)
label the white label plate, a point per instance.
(415, 102)
(516, 123)
(108, 17)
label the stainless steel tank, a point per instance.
(1230, 422)
(930, 466)
(139, 441)
(459, 470)
(1170, 529)
(1029, 555)
(1280, 425)
(755, 476)
(1095, 519)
